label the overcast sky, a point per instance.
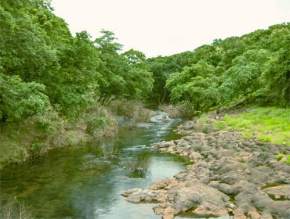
(164, 27)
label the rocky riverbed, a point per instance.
(230, 177)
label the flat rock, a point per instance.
(209, 200)
(281, 192)
(142, 195)
(223, 164)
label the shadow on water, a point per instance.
(87, 182)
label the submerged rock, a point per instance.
(137, 195)
(138, 172)
(160, 117)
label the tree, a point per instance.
(20, 100)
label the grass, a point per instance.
(12, 209)
(267, 124)
(283, 158)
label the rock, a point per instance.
(186, 198)
(187, 125)
(168, 213)
(207, 209)
(194, 156)
(231, 177)
(239, 214)
(164, 144)
(266, 215)
(279, 209)
(134, 198)
(224, 164)
(281, 192)
(261, 174)
(139, 195)
(162, 184)
(253, 214)
(225, 188)
(131, 191)
(158, 210)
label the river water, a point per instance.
(86, 183)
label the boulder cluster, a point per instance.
(230, 176)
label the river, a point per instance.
(86, 182)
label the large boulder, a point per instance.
(200, 199)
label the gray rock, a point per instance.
(224, 164)
(281, 192)
(199, 195)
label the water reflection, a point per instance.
(87, 182)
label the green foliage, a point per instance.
(132, 109)
(20, 100)
(100, 123)
(50, 79)
(268, 124)
(75, 85)
(49, 74)
(253, 68)
(139, 78)
(242, 79)
(194, 84)
(36, 46)
(162, 68)
(122, 75)
(283, 158)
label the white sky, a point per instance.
(164, 27)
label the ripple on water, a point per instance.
(87, 182)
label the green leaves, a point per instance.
(123, 75)
(41, 63)
(20, 100)
(37, 47)
(243, 78)
(251, 68)
(194, 84)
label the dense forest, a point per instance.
(49, 76)
(44, 67)
(253, 68)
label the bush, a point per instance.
(135, 110)
(187, 109)
(100, 123)
(20, 100)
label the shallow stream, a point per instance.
(86, 183)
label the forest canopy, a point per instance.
(43, 66)
(254, 68)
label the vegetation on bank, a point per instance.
(251, 69)
(60, 89)
(36, 135)
(265, 124)
(13, 209)
(57, 89)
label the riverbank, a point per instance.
(86, 182)
(232, 174)
(34, 137)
